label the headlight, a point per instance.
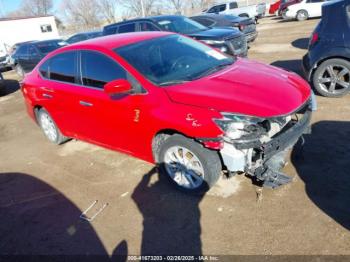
(243, 128)
(214, 42)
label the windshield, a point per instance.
(173, 59)
(48, 47)
(180, 24)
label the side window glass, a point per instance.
(214, 9)
(110, 31)
(222, 8)
(32, 51)
(127, 28)
(62, 67)
(97, 70)
(233, 5)
(146, 26)
(44, 69)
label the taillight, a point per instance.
(314, 38)
(241, 27)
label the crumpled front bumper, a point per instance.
(265, 160)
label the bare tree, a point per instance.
(82, 14)
(178, 5)
(139, 7)
(33, 8)
(108, 10)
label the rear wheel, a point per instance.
(188, 165)
(302, 15)
(332, 78)
(50, 128)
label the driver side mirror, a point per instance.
(117, 87)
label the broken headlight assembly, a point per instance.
(243, 128)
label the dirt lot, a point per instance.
(44, 188)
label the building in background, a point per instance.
(16, 30)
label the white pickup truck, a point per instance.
(239, 8)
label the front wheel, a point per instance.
(188, 165)
(302, 15)
(332, 78)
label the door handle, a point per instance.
(46, 89)
(47, 96)
(83, 103)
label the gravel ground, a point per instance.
(44, 188)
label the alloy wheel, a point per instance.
(184, 167)
(48, 127)
(334, 79)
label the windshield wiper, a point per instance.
(212, 70)
(173, 82)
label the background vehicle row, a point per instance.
(230, 41)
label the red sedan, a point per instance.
(173, 101)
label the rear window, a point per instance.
(110, 30)
(204, 21)
(22, 50)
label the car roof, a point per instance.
(87, 33)
(116, 40)
(216, 17)
(38, 42)
(149, 18)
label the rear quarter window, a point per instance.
(44, 69)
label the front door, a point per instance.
(106, 120)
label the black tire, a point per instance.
(59, 138)
(209, 160)
(302, 15)
(319, 74)
(19, 70)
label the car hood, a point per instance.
(216, 33)
(246, 87)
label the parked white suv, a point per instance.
(304, 10)
(239, 8)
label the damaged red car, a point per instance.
(173, 101)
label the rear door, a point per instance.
(58, 89)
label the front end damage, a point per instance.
(264, 155)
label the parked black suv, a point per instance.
(327, 64)
(244, 24)
(230, 41)
(29, 54)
